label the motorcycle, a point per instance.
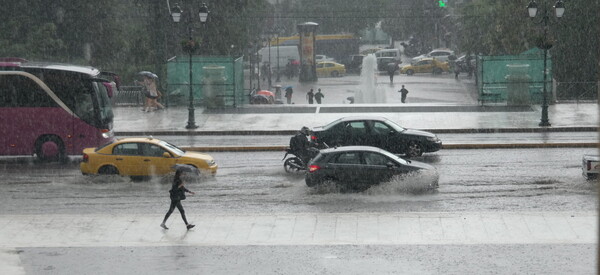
(295, 164)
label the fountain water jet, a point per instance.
(369, 92)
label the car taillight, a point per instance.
(589, 165)
(313, 168)
(85, 158)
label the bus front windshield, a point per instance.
(104, 105)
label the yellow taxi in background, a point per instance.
(330, 68)
(426, 65)
(141, 157)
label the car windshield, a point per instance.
(396, 127)
(333, 123)
(394, 157)
(174, 149)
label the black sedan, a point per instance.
(378, 132)
(359, 167)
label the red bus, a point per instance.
(53, 110)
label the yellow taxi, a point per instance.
(330, 68)
(142, 157)
(426, 65)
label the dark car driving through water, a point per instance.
(378, 132)
(360, 167)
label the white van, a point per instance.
(395, 53)
(285, 54)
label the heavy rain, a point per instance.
(326, 137)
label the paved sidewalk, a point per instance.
(301, 229)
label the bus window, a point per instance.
(20, 91)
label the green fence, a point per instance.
(217, 82)
(493, 75)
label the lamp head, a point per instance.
(203, 13)
(532, 8)
(559, 8)
(176, 13)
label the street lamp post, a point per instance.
(559, 9)
(278, 71)
(191, 45)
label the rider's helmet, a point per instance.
(305, 131)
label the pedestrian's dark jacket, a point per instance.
(392, 68)
(178, 193)
(319, 95)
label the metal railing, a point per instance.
(128, 96)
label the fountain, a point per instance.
(369, 92)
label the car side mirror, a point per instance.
(391, 165)
(166, 155)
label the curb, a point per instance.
(292, 132)
(445, 146)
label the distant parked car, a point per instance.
(383, 62)
(322, 57)
(591, 166)
(353, 63)
(141, 157)
(426, 65)
(438, 54)
(378, 132)
(330, 68)
(359, 167)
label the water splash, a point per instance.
(412, 183)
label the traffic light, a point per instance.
(442, 3)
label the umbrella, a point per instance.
(148, 74)
(186, 168)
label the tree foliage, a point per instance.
(126, 36)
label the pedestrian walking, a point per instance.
(177, 194)
(310, 95)
(319, 96)
(288, 94)
(150, 91)
(456, 70)
(403, 93)
(391, 70)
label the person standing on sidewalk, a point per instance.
(319, 96)
(177, 195)
(403, 93)
(288, 94)
(391, 70)
(310, 95)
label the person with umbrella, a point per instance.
(177, 194)
(150, 91)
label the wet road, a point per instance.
(255, 182)
(252, 183)
(447, 138)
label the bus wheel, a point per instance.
(50, 148)
(108, 170)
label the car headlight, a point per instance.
(210, 162)
(433, 139)
(108, 134)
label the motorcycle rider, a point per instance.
(300, 145)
